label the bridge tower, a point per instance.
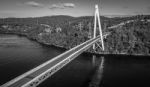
(97, 17)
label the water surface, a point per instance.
(19, 54)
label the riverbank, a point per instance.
(92, 53)
(86, 52)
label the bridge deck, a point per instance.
(48, 68)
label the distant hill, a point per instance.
(61, 20)
(58, 20)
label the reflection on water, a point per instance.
(98, 62)
(94, 60)
(121, 71)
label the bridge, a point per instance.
(40, 73)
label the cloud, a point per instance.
(69, 5)
(56, 6)
(33, 4)
(62, 6)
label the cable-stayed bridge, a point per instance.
(40, 73)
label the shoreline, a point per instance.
(86, 52)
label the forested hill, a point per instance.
(132, 36)
(49, 20)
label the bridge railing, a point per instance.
(59, 65)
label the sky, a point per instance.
(38, 8)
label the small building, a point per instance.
(47, 28)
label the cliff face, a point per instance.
(129, 38)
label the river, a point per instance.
(19, 54)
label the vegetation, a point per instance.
(65, 31)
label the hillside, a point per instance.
(64, 31)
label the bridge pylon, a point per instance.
(97, 17)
